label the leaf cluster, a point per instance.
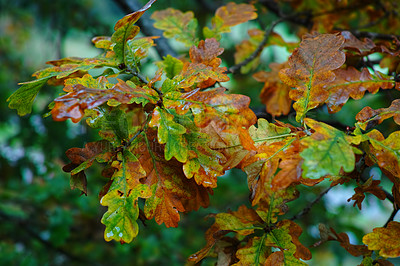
(167, 138)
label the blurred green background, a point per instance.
(44, 222)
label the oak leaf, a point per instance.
(79, 98)
(176, 24)
(310, 69)
(371, 186)
(125, 30)
(386, 240)
(122, 199)
(353, 83)
(83, 158)
(328, 151)
(385, 152)
(369, 117)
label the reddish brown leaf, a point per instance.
(310, 69)
(370, 186)
(172, 192)
(79, 98)
(204, 68)
(369, 117)
(83, 158)
(343, 239)
(353, 83)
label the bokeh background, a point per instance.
(44, 222)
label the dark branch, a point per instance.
(259, 49)
(310, 205)
(162, 46)
(392, 215)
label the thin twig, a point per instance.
(259, 49)
(392, 215)
(309, 206)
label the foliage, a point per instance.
(167, 138)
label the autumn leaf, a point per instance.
(343, 239)
(137, 50)
(281, 238)
(353, 83)
(204, 67)
(171, 191)
(369, 117)
(275, 93)
(171, 134)
(310, 69)
(80, 98)
(122, 199)
(385, 152)
(328, 151)
(386, 240)
(246, 48)
(176, 24)
(254, 253)
(242, 222)
(371, 186)
(228, 16)
(125, 30)
(82, 159)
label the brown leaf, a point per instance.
(310, 69)
(370, 117)
(353, 83)
(370, 186)
(343, 239)
(233, 14)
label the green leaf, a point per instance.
(171, 134)
(125, 30)
(267, 133)
(254, 253)
(22, 99)
(137, 50)
(122, 199)
(328, 151)
(172, 66)
(176, 24)
(123, 211)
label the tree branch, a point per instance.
(162, 46)
(259, 49)
(310, 205)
